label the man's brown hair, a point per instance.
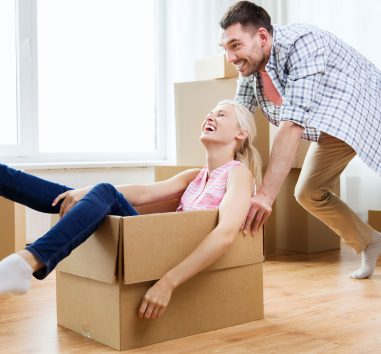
(248, 15)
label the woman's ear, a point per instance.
(242, 134)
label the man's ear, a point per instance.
(263, 35)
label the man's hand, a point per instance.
(70, 198)
(259, 212)
(156, 299)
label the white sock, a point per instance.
(15, 275)
(369, 258)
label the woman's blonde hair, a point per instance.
(246, 152)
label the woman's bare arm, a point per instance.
(232, 213)
(140, 194)
(137, 194)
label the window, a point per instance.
(8, 106)
(87, 79)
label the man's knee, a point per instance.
(308, 196)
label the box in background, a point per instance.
(101, 284)
(214, 67)
(374, 219)
(165, 172)
(12, 226)
(193, 101)
(295, 228)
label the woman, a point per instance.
(225, 183)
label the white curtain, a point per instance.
(357, 23)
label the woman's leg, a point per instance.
(29, 190)
(36, 193)
(73, 229)
(77, 225)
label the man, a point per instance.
(315, 87)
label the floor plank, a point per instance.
(311, 306)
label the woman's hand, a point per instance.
(70, 198)
(156, 299)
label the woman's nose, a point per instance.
(210, 117)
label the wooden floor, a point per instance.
(311, 306)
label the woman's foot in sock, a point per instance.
(15, 275)
(369, 258)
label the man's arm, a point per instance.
(284, 149)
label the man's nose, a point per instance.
(230, 56)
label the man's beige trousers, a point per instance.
(324, 163)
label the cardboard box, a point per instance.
(374, 219)
(215, 67)
(295, 229)
(193, 101)
(101, 284)
(12, 226)
(165, 172)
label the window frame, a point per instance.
(27, 151)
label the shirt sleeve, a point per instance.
(245, 93)
(306, 66)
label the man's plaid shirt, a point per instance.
(326, 86)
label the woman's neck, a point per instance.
(215, 159)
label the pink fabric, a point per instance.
(269, 90)
(206, 192)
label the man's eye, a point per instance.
(235, 46)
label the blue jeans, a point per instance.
(76, 225)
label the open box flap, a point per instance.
(153, 244)
(165, 206)
(96, 258)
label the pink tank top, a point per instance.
(269, 90)
(206, 192)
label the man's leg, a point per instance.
(324, 163)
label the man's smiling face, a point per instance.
(244, 47)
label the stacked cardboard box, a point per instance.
(101, 284)
(214, 67)
(12, 226)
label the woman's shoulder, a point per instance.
(240, 172)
